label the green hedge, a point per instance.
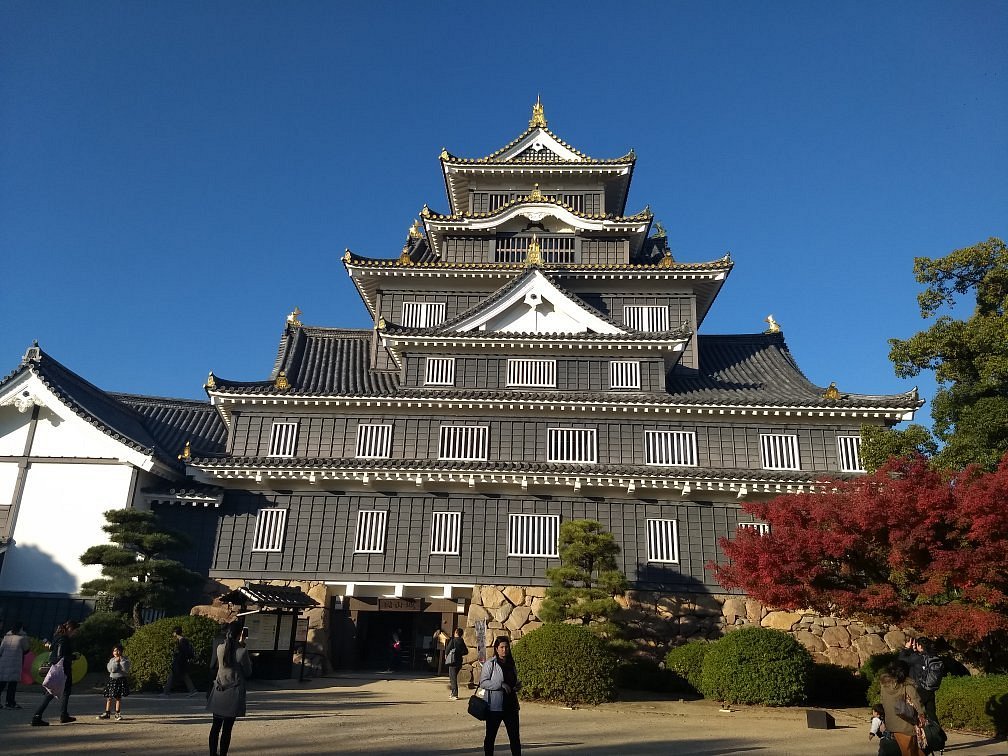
(565, 663)
(833, 685)
(756, 665)
(98, 634)
(686, 661)
(871, 670)
(978, 704)
(149, 650)
(645, 674)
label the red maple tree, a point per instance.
(908, 545)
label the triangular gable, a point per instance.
(533, 304)
(540, 140)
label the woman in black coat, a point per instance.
(455, 653)
(231, 667)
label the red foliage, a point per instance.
(907, 545)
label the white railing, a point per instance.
(557, 250)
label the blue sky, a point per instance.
(176, 176)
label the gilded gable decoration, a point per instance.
(666, 260)
(832, 393)
(535, 195)
(404, 256)
(414, 230)
(534, 255)
(660, 230)
(346, 256)
(186, 454)
(281, 383)
(292, 318)
(774, 325)
(211, 383)
(538, 120)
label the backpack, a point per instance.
(934, 737)
(888, 746)
(932, 673)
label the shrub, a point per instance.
(686, 661)
(756, 665)
(98, 633)
(833, 685)
(645, 674)
(150, 648)
(565, 663)
(978, 704)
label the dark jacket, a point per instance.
(461, 649)
(227, 691)
(62, 650)
(890, 692)
(182, 655)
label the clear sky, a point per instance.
(176, 176)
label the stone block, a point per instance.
(536, 592)
(869, 645)
(219, 612)
(836, 637)
(895, 639)
(844, 657)
(781, 620)
(519, 616)
(477, 614)
(732, 609)
(501, 613)
(535, 606)
(754, 611)
(491, 597)
(811, 641)
(515, 594)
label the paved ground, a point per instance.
(379, 715)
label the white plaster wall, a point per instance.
(8, 477)
(66, 435)
(13, 431)
(61, 516)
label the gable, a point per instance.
(539, 146)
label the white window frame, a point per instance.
(270, 529)
(624, 374)
(374, 440)
(439, 371)
(372, 525)
(849, 454)
(663, 541)
(455, 440)
(670, 448)
(647, 318)
(779, 451)
(531, 372)
(578, 446)
(533, 535)
(762, 528)
(446, 533)
(423, 314)
(283, 439)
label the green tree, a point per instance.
(969, 358)
(583, 587)
(138, 572)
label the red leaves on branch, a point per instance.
(907, 545)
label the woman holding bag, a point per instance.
(231, 667)
(499, 679)
(62, 654)
(897, 692)
(455, 652)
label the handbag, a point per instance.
(478, 706)
(55, 680)
(906, 711)
(449, 657)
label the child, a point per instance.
(118, 684)
(877, 722)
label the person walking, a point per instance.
(231, 666)
(182, 654)
(62, 653)
(896, 689)
(500, 679)
(455, 652)
(118, 684)
(13, 647)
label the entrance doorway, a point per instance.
(415, 630)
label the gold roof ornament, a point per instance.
(444, 154)
(414, 230)
(660, 230)
(425, 211)
(381, 323)
(774, 325)
(292, 318)
(210, 382)
(538, 120)
(666, 261)
(534, 255)
(281, 383)
(186, 454)
(832, 393)
(404, 256)
(346, 255)
(535, 195)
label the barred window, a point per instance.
(269, 530)
(531, 535)
(373, 441)
(439, 371)
(624, 374)
(760, 527)
(849, 451)
(779, 451)
(670, 448)
(283, 439)
(646, 317)
(446, 530)
(571, 445)
(463, 442)
(370, 531)
(532, 373)
(423, 314)
(662, 541)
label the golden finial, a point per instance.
(538, 116)
(404, 258)
(424, 211)
(666, 261)
(832, 392)
(381, 323)
(534, 255)
(292, 318)
(346, 256)
(281, 383)
(774, 325)
(535, 195)
(210, 382)
(186, 454)
(414, 230)
(444, 154)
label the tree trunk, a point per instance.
(137, 615)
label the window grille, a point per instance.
(670, 448)
(760, 527)
(662, 541)
(283, 439)
(572, 445)
(370, 531)
(440, 371)
(555, 249)
(423, 314)
(463, 442)
(533, 373)
(269, 530)
(373, 441)
(624, 374)
(849, 449)
(646, 317)
(779, 451)
(531, 535)
(445, 532)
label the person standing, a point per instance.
(896, 688)
(13, 647)
(62, 653)
(455, 652)
(230, 666)
(118, 684)
(500, 679)
(932, 671)
(182, 654)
